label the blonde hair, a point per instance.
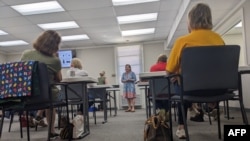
(76, 63)
(200, 17)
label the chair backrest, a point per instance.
(160, 88)
(210, 67)
(43, 86)
(97, 93)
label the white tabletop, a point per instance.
(80, 79)
(113, 89)
(100, 86)
(147, 75)
(143, 83)
(244, 68)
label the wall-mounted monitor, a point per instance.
(65, 57)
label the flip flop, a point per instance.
(132, 111)
(128, 110)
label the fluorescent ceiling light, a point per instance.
(239, 24)
(138, 32)
(38, 8)
(13, 43)
(59, 25)
(2, 32)
(127, 2)
(137, 18)
(75, 37)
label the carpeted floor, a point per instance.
(126, 126)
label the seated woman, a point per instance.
(160, 65)
(77, 69)
(102, 79)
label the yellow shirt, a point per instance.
(198, 37)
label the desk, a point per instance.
(114, 94)
(99, 91)
(145, 86)
(83, 81)
(151, 77)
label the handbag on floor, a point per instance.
(67, 131)
(78, 127)
(156, 128)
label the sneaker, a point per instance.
(180, 133)
(53, 135)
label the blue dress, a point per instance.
(129, 86)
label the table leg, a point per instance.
(115, 103)
(85, 110)
(146, 100)
(105, 107)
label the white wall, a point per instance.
(96, 60)
(150, 53)
(2, 58)
(13, 57)
(237, 39)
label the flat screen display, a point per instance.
(65, 57)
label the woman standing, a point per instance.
(128, 79)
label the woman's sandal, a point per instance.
(128, 110)
(132, 111)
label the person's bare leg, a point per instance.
(40, 113)
(53, 119)
(132, 104)
(129, 104)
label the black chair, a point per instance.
(74, 95)
(43, 100)
(208, 74)
(238, 96)
(159, 92)
(99, 96)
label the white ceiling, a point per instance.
(97, 19)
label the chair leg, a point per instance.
(59, 111)
(218, 120)
(28, 129)
(2, 119)
(11, 120)
(72, 111)
(94, 113)
(110, 112)
(109, 101)
(185, 121)
(50, 121)
(243, 112)
(209, 117)
(175, 113)
(149, 108)
(170, 120)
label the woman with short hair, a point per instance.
(200, 34)
(45, 49)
